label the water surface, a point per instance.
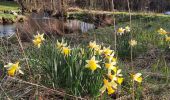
(7, 30)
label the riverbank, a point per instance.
(104, 16)
(10, 12)
(10, 19)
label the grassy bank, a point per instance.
(91, 16)
(8, 6)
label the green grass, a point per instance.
(8, 16)
(6, 6)
(144, 30)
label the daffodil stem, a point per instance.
(133, 91)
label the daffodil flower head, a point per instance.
(133, 43)
(109, 86)
(110, 66)
(162, 31)
(121, 31)
(98, 50)
(61, 44)
(115, 78)
(167, 38)
(13, 69)
(114, 59)
(110, 90)
(127, 28)
(92, 45)
(38, 39)
(92, 64)
(117, 72)
(66, 51)
(137, 77)
(107, 51)
(120, 80)
(111, 58)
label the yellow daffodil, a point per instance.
(38, 39)
(137, 77)
(121, 31)
(109, 86)
(120, 80)
(117, 72)
(98, 50)
(61, 44)
(107, 51)
(162, 31)
(115, 78)
(13, 69)
(111, 57)
(167, 38)
(127, 28)
(92, 64)
(133, 43)
(114, 59)
(93, 45)
(66, 51)
(110, 66)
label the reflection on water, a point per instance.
(7, 30)
(74, 25)
(71, 24)
(80, 25)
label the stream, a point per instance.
(7, 30)
(10, 29)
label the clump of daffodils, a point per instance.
(63, 48)
(13, 68)
(38, 39)
(99, 59)
(113, 73)
(108, 62)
